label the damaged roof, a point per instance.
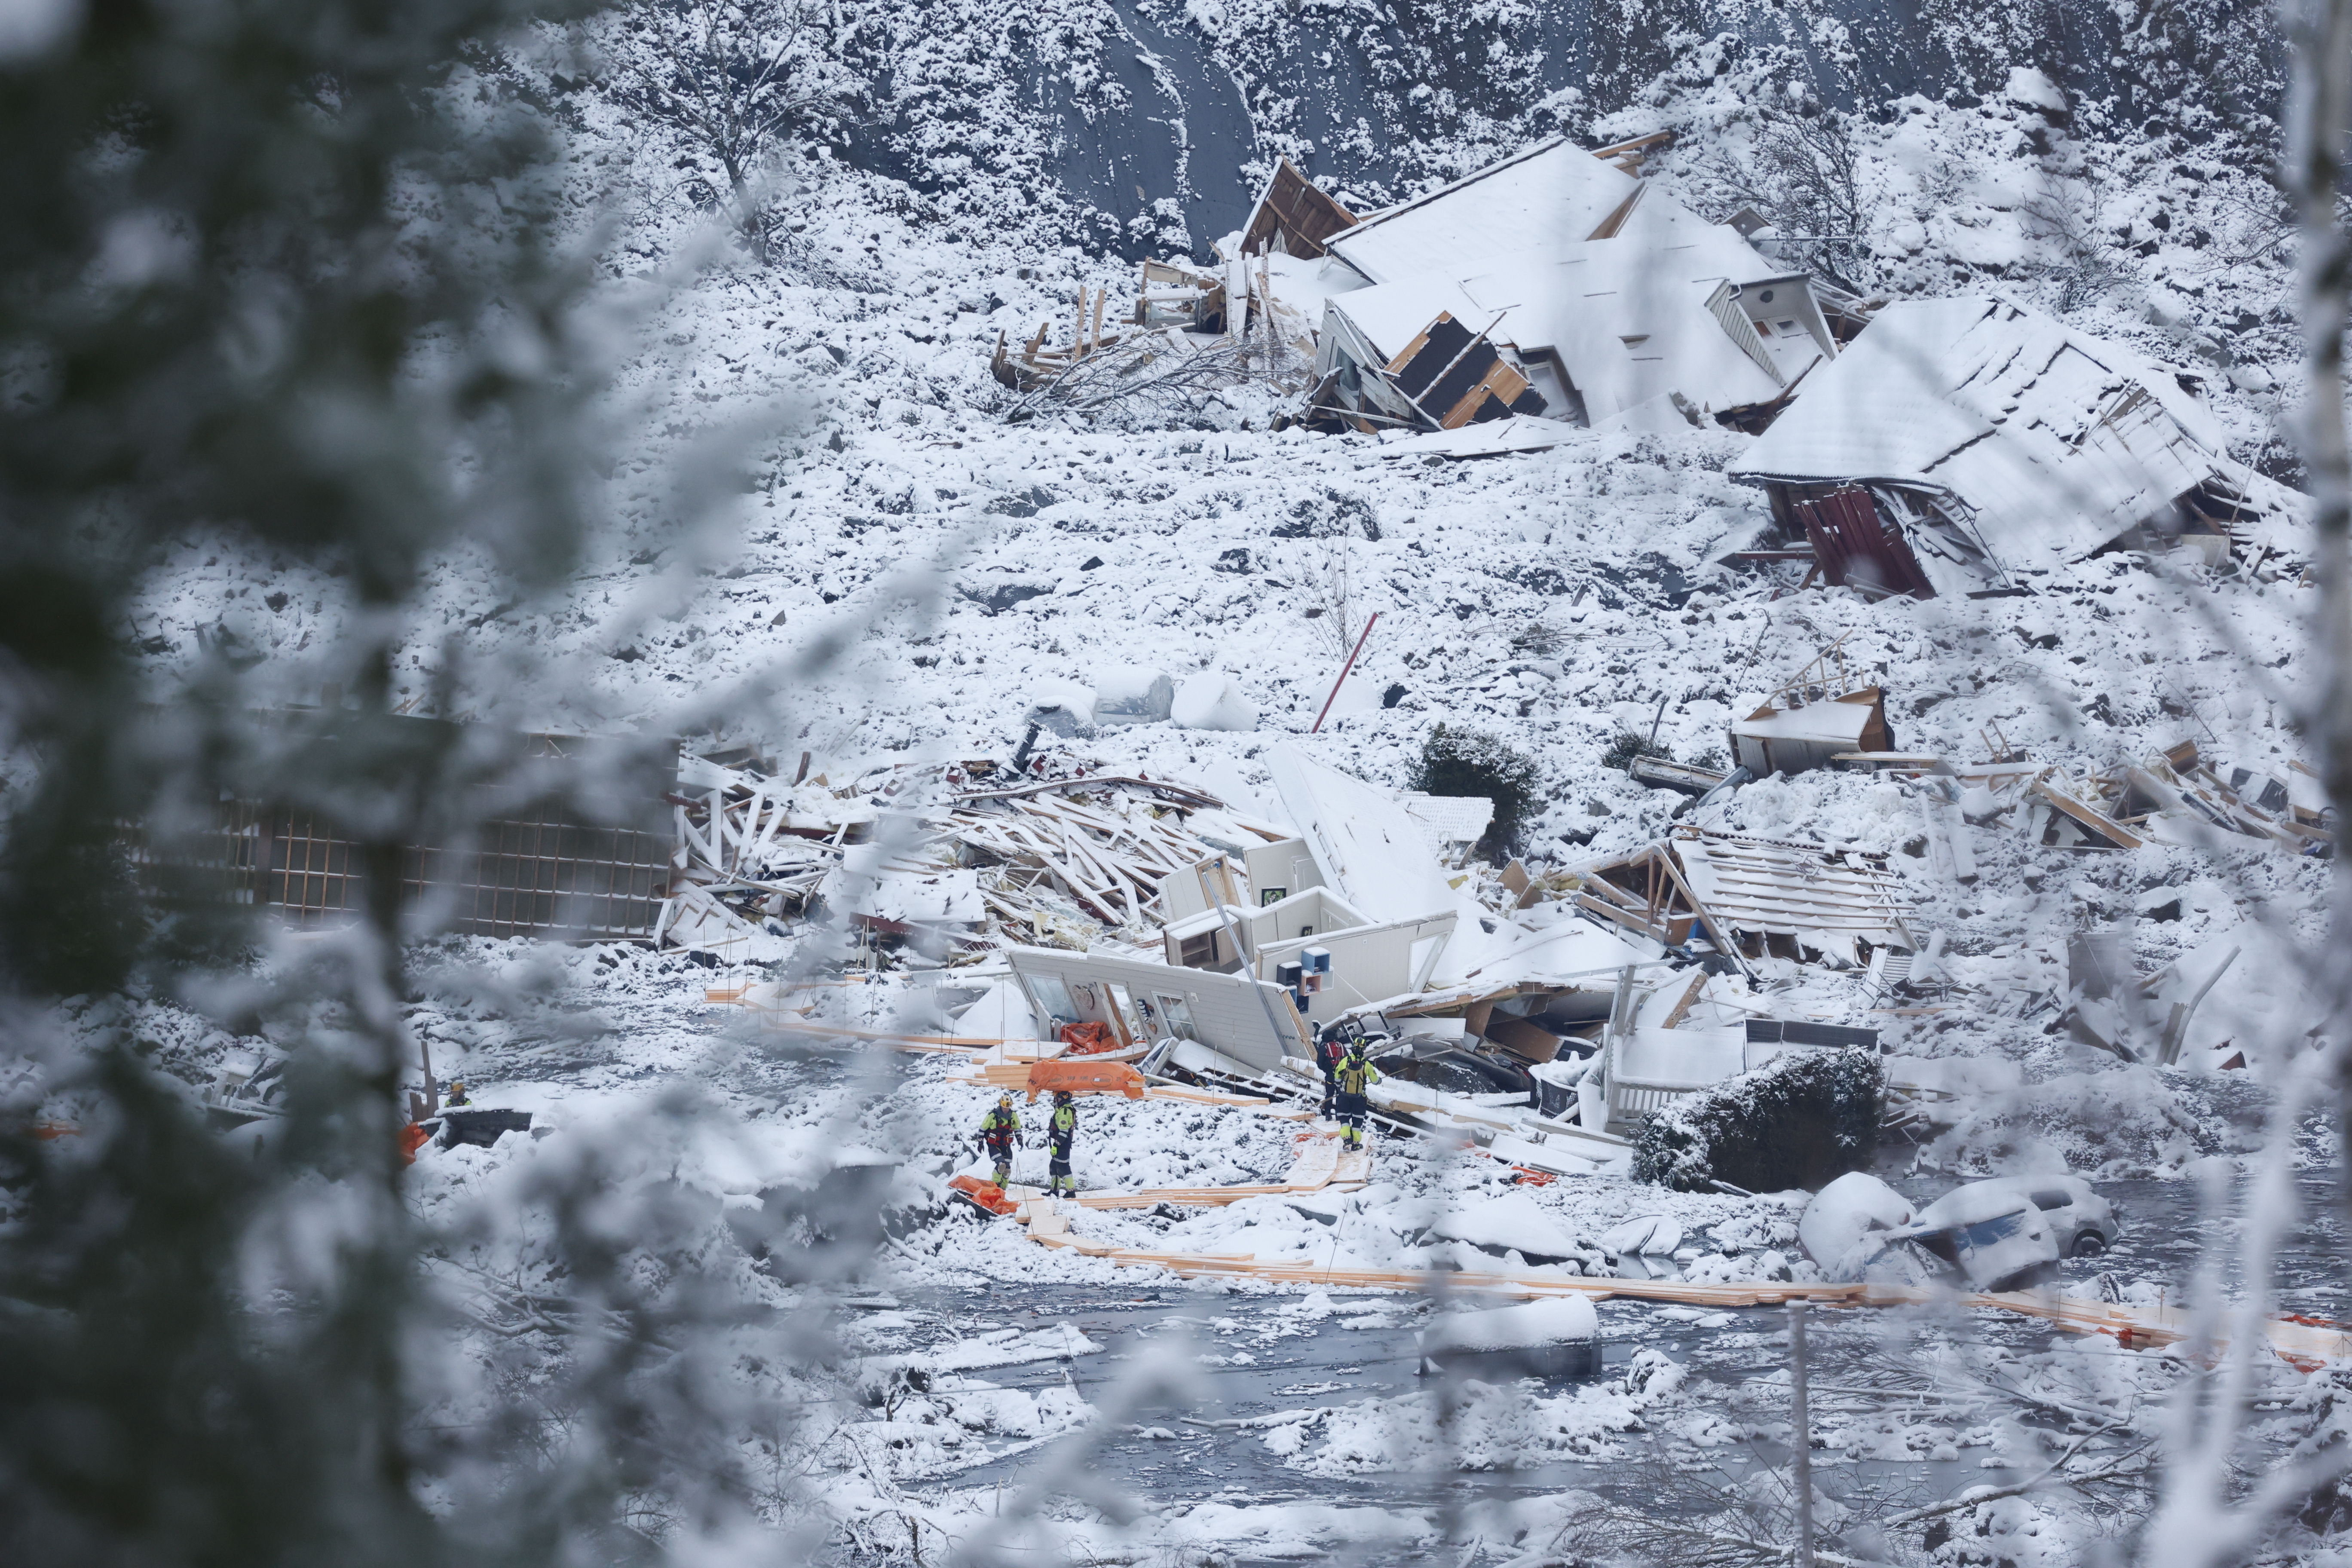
(1554, 193)
(2053, 441)
(1642, 315)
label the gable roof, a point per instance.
(1296, 208)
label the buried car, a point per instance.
(2082, 1223)
(1994, 1233)
(1457, 1070)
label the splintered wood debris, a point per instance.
(1751, 897)
(951, 853)
(2175, 797)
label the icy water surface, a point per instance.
(1257, 1355)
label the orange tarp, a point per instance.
(1088, 1039)
(987, 1194)
(1082, 1077)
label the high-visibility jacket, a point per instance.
(1000, 1125)
(1065, 1122)
(1355, 1073)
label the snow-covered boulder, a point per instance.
(1651, 1235)
(1835, 1225)
(1210, 701)
(1513, 1222)
(1132, 694)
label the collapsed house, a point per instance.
(1552, 283)
(1961, 445)
(1702, 891)
(1539, 1020)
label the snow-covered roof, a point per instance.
(1363, 840)
(1554, 193)
(2055, 440)
(1627, 316)
(1835, 722)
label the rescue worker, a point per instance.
(1356, 1073)
(998, 1129)
(1060, 1130)
(1329, 1049)
(457, 1096)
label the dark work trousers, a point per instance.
(1057, 1172)
(1353, 1109)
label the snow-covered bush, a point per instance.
(1466, 763)
(1800, 1121)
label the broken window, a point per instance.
(1176, 1018)
(1052, 1000)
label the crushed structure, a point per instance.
(1965, 446)
(1552, 286)
(2174, 797)
(1553, 283)
(1751, 897)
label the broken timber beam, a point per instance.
(2116, 836)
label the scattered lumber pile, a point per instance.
(1109, 848)
(2175, 797)
(1038, 364)
(1054, 861)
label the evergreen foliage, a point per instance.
(1463, 762)
(1805, 1118)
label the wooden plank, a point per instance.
(2117, 835)
(2305, 1344)
(1683, 1007)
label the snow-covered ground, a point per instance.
(846, 600)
